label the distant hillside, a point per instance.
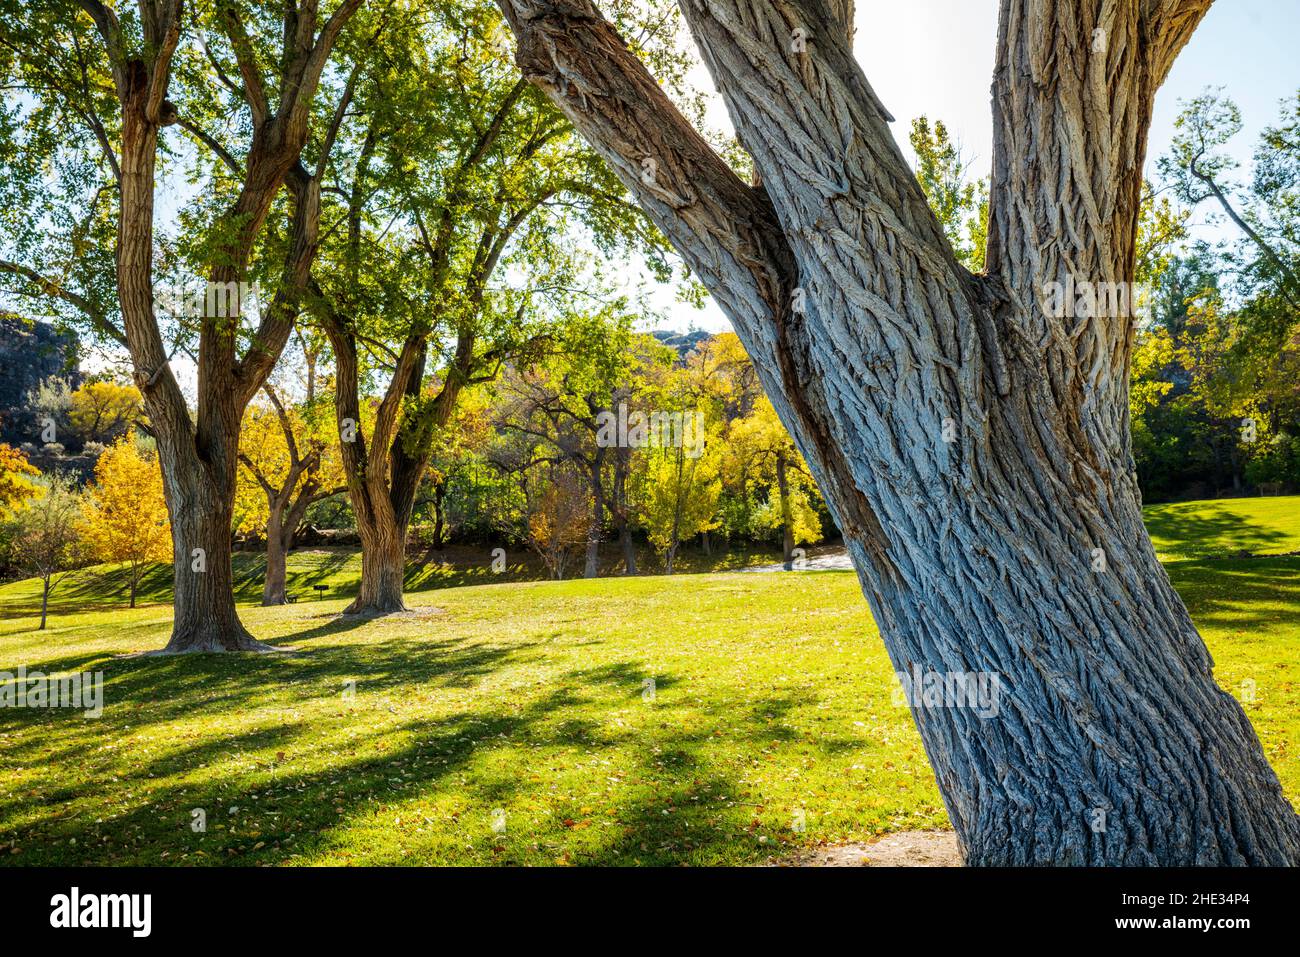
(683, 342)
(30, 352)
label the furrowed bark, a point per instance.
(972, 446)
(199, 458)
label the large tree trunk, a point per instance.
(383, 567)
(1016, 552)
(200, 501)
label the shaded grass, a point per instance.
(1225, 527)
(528, 698)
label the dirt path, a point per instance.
(831, 559)
(905, 849)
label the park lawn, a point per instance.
(1225, 527)
(772, 710)
(771, 697)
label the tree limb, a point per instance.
(51, 287)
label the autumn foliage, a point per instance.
(124, 515)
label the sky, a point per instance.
(935, 57)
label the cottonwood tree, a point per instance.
(758, 451)
(289, 462)
(103, 410)
(558, 513)
(678, 497)
(564, 406)
(456, 452)
(973, 446)
(1199, 171)
(675, 471)
(960, 204)
(258, 67)
(454, 254)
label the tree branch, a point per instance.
(1170, 24)
(111, 31)
(211, 143)
(51, 287)
(249, 70)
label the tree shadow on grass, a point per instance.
(310, 801)
(185, 686)
(1240, 594)
(1187, 531)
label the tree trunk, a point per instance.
(383, 567)
(45, 602)
(1014, 554)
(439, 519)
(592, 568)
(629, 549)
(282, 524)
(201, 504)
(619, 511)
(274, 587)
(384, 476)
(787, 523)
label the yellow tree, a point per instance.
(124, 513)
(761, 451)
(679, 496)
(288, 461)
(558, 515)
(103, 410)
(15, 487)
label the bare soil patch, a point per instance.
(905, 849)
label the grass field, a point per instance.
(1226, 527)
(513, 722)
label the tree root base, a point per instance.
(216, 644)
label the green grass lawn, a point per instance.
(772, 702)
(1225, 527)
